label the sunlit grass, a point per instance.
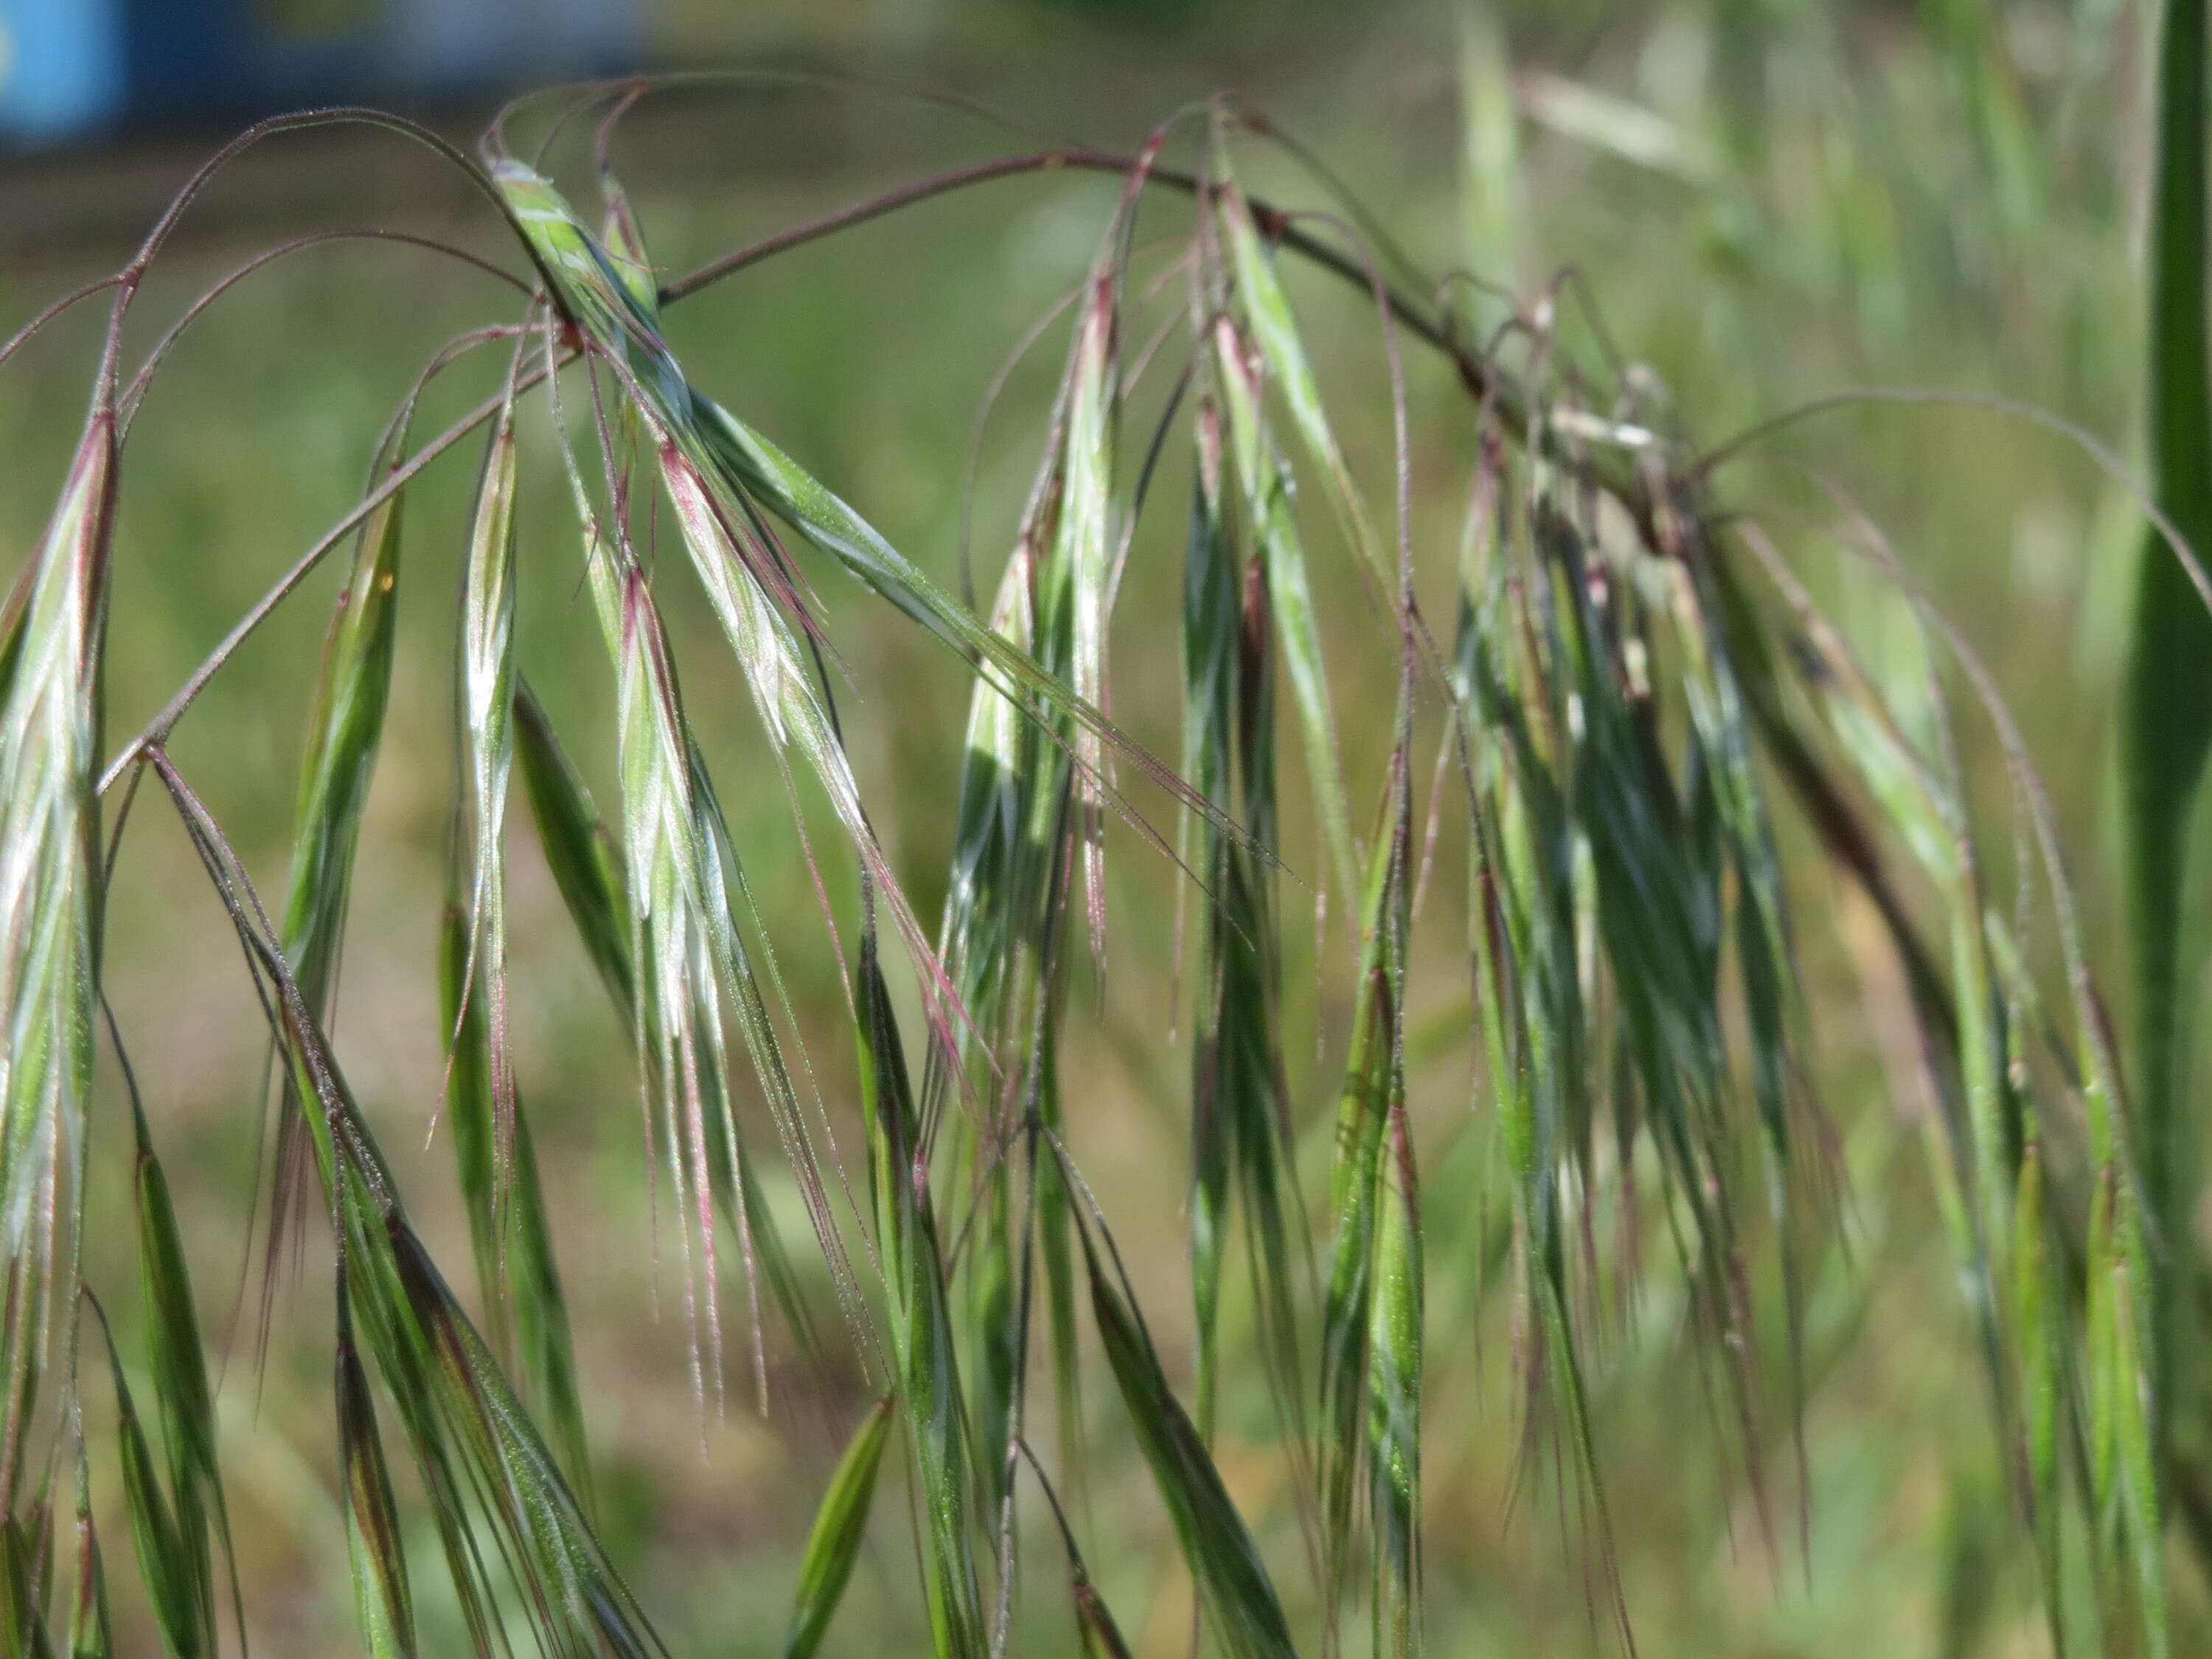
(1592, 739)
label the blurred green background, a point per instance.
(1766, 199)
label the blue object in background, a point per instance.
(61, 67)
(77, 68)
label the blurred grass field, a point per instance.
(1764, 199)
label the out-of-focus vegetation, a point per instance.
(1751, 202)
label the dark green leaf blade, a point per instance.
(1242, 1606)
(839, 1525)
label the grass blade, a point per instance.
(1239, 1597)
(2167, 730)
(839, 1525)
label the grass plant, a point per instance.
(1612, 699)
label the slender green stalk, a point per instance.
(2166, 730)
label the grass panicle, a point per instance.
(739, 562)
(683, 894)
(1274, 333)
(1262, 608)
(1264, 485)
(2061, 1350)
(490, 1474)
(1241, 1122)
(1001, 938)
(1631, 669)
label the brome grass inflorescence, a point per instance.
(1631, 683)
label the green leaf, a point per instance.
(1239, 1597)
(839, 1527)
(2166, 709)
